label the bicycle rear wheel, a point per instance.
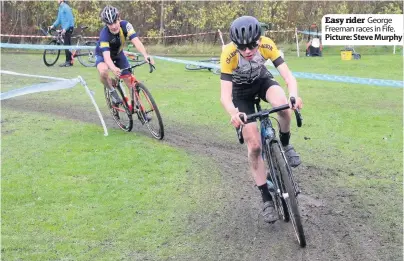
(121, 113)
(148, 112)
(51, 56)
(274, 176)
(291, 200)
(87, 57)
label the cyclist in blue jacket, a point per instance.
(66, 20)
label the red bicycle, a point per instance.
(138, 102)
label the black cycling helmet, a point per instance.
(245, 30)
(109, 14)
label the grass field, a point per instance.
(69, 193)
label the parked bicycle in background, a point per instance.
(85, 56)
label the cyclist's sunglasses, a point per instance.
(243, 47)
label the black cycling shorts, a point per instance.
(119, 60)
(244, 94)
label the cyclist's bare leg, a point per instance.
(253, 141)
(103, 70)
(277, 97)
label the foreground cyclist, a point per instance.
(109, 51)
(243, 76)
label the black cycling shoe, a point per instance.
(292, 156)
(66, 64)
(269, 213)
(116, 100)
(116, 114)
(148, 117)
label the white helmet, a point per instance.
(109, 14)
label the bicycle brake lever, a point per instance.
(152, 67)
(240, 137)
(299, 118)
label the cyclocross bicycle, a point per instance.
(85, 57)
(138, 102)
(281, 183)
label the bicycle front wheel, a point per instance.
(291, 200)
(120, 112)
(148, 112)
(87, 57)
(274, 177)
(51, 56)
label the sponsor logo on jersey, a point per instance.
(267, 46)
(129, 29)
(231, 55)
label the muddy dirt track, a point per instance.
(335, 226)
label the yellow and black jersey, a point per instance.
(237, 69)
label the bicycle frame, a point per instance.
(58, 36)
(134, 103)
(79, 40)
